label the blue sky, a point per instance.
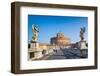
(49, 26)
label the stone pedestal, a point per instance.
(82, 45)
(83, 48)
(34, 45)
(38, 54)
(35, 52)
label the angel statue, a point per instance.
(82, 33)
(35, 30)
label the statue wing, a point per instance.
(36, 28)
(33, 26)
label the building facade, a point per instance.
(60, 39)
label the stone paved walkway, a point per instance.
(66, 54)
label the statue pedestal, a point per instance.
(34, 45)
(82, 45)
(35, 52)
(83, 48)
